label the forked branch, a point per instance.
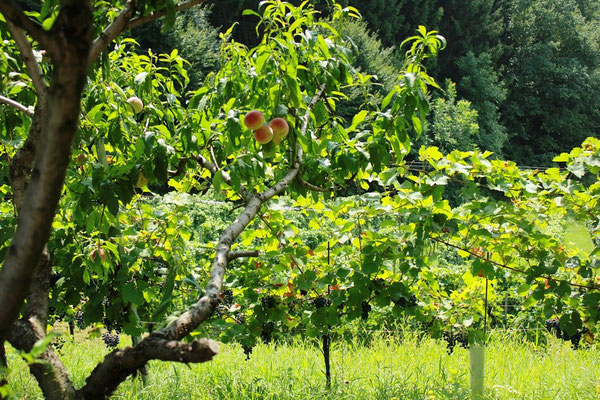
(13, 13)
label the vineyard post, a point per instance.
(477, 353)
(476, 368)
(326, 337)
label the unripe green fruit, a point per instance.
(136, 103)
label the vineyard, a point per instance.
(150, 222)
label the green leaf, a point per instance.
(109, 198)
(523, 290)
(131, 294)
(577, 169)
(571, 323)
(305, 281)
(251, 12)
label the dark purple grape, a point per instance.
(110, 340)
(365, 309)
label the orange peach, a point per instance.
(263, 135)
(254, 120)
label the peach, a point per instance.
(263, 135)
(254, 120)
(136, 103)
(280, 127)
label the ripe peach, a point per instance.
(263, 135)
(280, 128)
(254, 120)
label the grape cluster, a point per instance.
(240, 318)
(228, 297)
(247, 350)
(553, 326)
(365, 309)
(220, 310)
(403, 302)
(267, 332)
(268, 301)
(320, 302)
(110, 340)
(79, 320)
(454, 338)
(58, 344)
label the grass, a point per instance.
(386, 368)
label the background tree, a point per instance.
(192, 35)
(551, 75)
(453, 123)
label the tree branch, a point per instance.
(37, 301)
(312, 187)
(242, 254)
(14, 104)
(33, 68)
(51, 373)
(205, 163)
(113, 370)
(121, 363)
(180, 167)
(14, 13)
(71, 40)
(199, 312)
(159, 14)
(21, 163)
(116, 27)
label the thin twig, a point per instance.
(242, 254)
(14, 104)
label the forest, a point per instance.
(243, 199)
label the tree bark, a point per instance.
(68, 43)
(50, 373)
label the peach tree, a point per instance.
(89, 126)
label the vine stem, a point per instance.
(448, 244)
